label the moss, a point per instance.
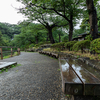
(58, 46)
(80, 45)
(70, 44)
(95, 46)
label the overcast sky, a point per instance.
(8, 14)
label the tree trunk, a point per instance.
(47, 37)
(36, 38)
(59, 38)
(92, 18)
(51, 36)
(70, 30)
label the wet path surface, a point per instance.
(38, 78)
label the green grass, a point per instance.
(5, 57)
(58, 69)
(8, 56)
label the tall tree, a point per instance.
(92, 18)
(68, 9)
(47, 18)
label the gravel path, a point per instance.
(38, 78)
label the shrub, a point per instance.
(70, 44)
(46, 42)
(84, 44)
(95, 46)
(58, 46)
(31, 45)
(89, 37)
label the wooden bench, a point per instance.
(76, 80)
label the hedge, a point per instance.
(95, 46)
(58, 46)
(70, 44)
(81, 45)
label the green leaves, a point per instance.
(81, 45)
(58, 46)
(95, 46)
(70, 44)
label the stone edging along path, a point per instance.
(93, 63)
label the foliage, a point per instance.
(47, 18)
(65, 38)
(1, 40)
(98, 16)
(30, 34)
(70, 44)
(84, 44)
(78, 31)
(58, 46)
(7, 32)
(69, 10)
(31, 45)
(9, 29)
(89, 37)
(57, 34)
(85, 23)
(95, 46)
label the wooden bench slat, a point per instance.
(72, 85)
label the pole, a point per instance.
(1, 54)
(11, 52)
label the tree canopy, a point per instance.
(55, 22)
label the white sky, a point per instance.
(9, 14)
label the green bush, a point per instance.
(70, 44)
(58, 46)
(31, 45)
(41, 43)
(89, 37)
(95, 46)
(81, 45)
(46, 42)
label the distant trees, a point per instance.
(30, 34)
(7, 32)
(9, 29)
(1, 40)
(33, 34)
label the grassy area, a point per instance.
(8, 56)
(78, 54)
(87, 54)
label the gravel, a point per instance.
(38, 78)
